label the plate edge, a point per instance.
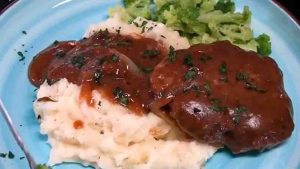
(287, 12)
(8, 6)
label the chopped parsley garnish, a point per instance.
(78, 61)
(21, 158)
(115, 58)
(24, 32)
(172, 54)
(136, 24)
(244, 77)
(149, 29)
(144, 23)
(207, 88)
(143, 29)
(237, 113)
(60, 54)
(216, 105)
(97, 76)
(55, 42)
(205, 58)
(3, 155)
(252, 86)
(121, 96)
(147, 69)
(104, 32)
(120, 43)
(10, 155)
(188, 60)
(240, 109)
(151, 53)
(223, 68)
(118, 30)
(190, 74)
(240, 76)
(22, 57)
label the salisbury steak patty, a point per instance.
(223, 95)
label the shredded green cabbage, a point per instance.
(201, 21)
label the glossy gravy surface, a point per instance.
(223, 95)
(118, 66)
(217, 93)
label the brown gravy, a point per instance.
(223, 95)
(117, 65)
(216, 93)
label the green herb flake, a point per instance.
(22, 57)
(223, 68)
(216, 105)
(254, 87)
(115, 58)
(207, 88)
(136, 24)
(240, 76)
(3, 155)
(21, 158)
(188, 60)
(190, 74)
(144, 23)
(60, 54)
(55, 42)
(237, 114)
(147, 69)
(24, 32)
(10, 155)
(240, 109)
(151, 53)
(78, 61)
(149, 29)
(121, 96)
(205, 58)
(143, 29)
(123, 43)
(172, 54)
(118, 31)
(97, 76)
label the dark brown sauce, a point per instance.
(116, 65)
(223, 95)
(216, 93)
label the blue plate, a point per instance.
(46, 21)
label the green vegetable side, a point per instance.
(42, 166)
(201, 21)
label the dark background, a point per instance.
(292, 5)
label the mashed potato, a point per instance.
(108, 135)
(141, 26)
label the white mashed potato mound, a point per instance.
(113, 137)
(141, 26)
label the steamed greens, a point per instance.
(201, 21)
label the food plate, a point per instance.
(26, 28)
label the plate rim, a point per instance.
(276, 3)
(283, 9)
